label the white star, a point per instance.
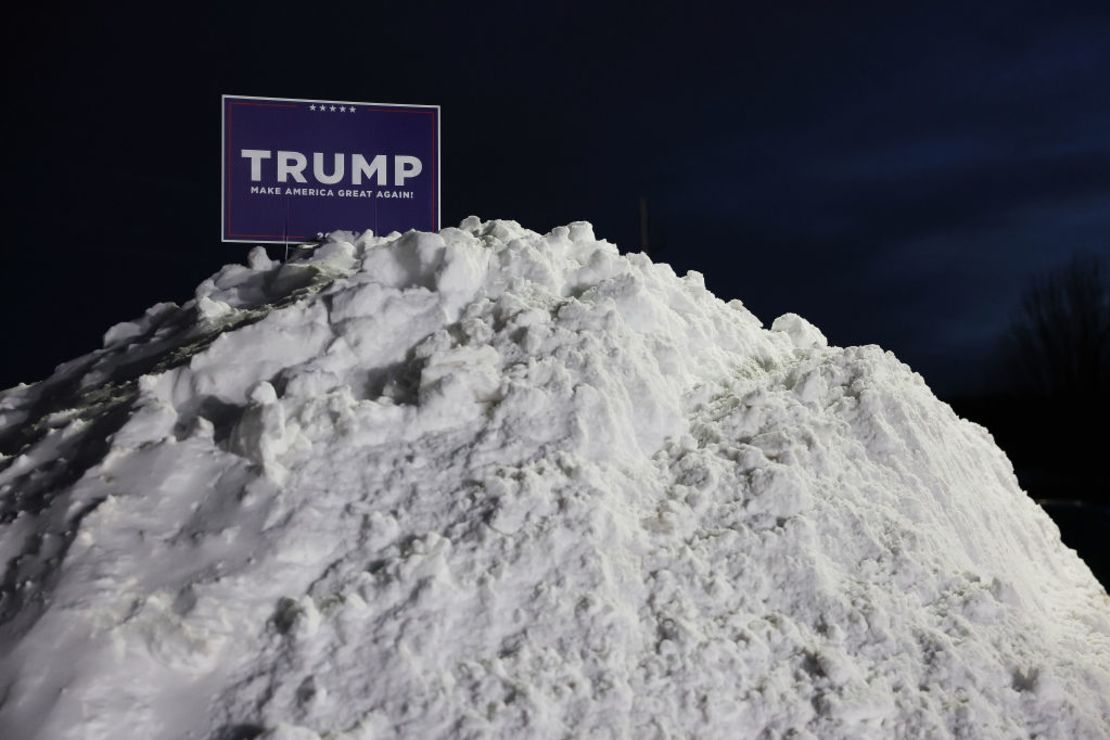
(351, 109)
(342, 109)
(333, 108)
(312, 107)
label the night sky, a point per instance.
(894, 174)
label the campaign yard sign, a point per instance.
(293, 168)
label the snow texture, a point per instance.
(488, 482)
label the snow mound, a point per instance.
(488, 482)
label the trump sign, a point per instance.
(294, 168)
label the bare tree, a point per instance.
(1060, 336)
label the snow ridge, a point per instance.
(488, 482)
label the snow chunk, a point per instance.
(803, 334)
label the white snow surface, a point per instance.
(489, 482)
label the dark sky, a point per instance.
(893, 173)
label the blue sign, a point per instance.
(295, 168)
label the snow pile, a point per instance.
(488, 482)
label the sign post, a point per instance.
(294, 168)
